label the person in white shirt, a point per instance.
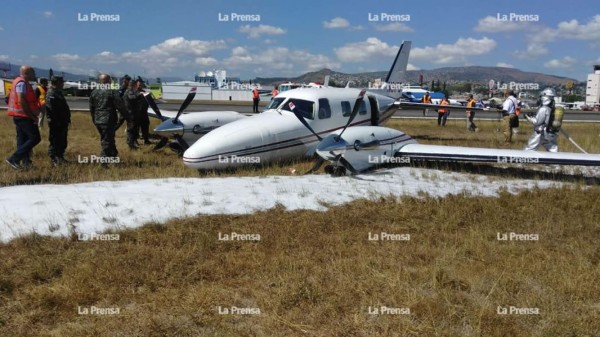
(509, 109)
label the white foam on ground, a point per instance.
(99, 206)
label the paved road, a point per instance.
(571, 116)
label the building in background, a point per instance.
(592, 92)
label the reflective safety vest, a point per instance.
(255, 94)
(42, 98)
(443, 111)
(518, 109)
(14, 106)
(426, 99)
(470, 104)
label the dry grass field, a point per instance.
(450, 273)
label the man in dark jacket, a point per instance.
(104, 103)
(133, 102)
(143, 113)
(59, 119)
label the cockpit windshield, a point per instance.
(306, 108)
(275, 103)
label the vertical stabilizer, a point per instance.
(400, 63)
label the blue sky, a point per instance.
(180, 38)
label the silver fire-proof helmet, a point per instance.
(547, 96)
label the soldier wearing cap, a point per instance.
(133, 102)
(124, 85)
(104, 103)
(59, 120)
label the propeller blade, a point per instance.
(188, 100)
(316, 166)
(153, 106)
(298, 115)
(163, 141)
(355, 109)
(347, 165)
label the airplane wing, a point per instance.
(486, 155)
(402, 104)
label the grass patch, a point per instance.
(318, 274)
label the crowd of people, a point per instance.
(545, 125)
(109, 109)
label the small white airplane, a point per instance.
(187, 128)
(303, 122)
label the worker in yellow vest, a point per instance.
(443, 113)
(426, 99)
(40, 93)
(471, 102)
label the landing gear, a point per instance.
(336, 171)
(176, 147)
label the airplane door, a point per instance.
(374, 111)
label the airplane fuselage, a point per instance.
(276, 134)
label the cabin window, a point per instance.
(324, 108)
(306, 108)
(275, 103)
(346, 109)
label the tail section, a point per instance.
(400, 63)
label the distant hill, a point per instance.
(475, 74)
(44, 72)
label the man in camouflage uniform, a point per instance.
(124, 85)
(143, 114)
(59, 119)
(104, 103)
(133, 103)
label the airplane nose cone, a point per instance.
(235, 144)
(169, 128)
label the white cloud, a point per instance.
(491, 24)
(206, 61)
(64, 57)
(158, 59)
(394, 27)
(411, 67)
(565, 30)
(573, 30)
(565, 62)
(534, 50)
(47, 14)
(256, 31)
(336, 22)
(277, 61)
(368, 50)
(504, 65)
(4, 58)
(454, 53)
